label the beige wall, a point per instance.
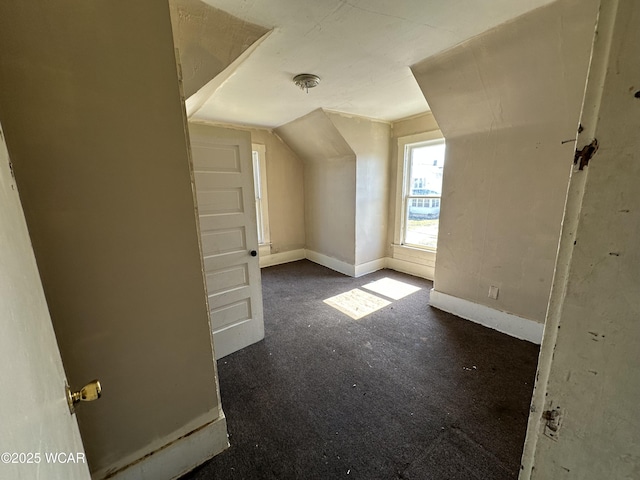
(94, 123)
(285, 187)
(369, 140)
(329, 184)
(413, 125)
(330, 207)
(508, 103)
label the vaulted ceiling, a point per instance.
(361, 50)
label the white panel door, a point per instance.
(226, 209)
(35, 419)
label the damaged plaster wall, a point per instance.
(588, 370)
(508, 104)
(208, 40)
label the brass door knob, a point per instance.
(90, 392)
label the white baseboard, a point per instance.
(282, 257)
(504, 322)
(415, 269)
(332, 263)
(175, 458)
(370, 267)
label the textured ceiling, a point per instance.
(361, 49)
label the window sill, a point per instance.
(414, 255)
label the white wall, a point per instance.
(346, 188)
(329, 185)
(33, 410)
(508, 103)
(590, 356)
(370, 141)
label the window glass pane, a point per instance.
(256, 174)
(426, 169)
(258, 191)
(421, 232)
(425, 165)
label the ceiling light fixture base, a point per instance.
(306, 81)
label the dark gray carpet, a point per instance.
(408, 392)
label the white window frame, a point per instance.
(262, 198)
(402, 186)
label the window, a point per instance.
(260, 188)
(422, 188)
(418, 182)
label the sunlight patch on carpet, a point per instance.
(356, 303)
(391, 288)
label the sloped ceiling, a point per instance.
(361, 49)
(315, 137)
(208, 40)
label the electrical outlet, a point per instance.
(493, 292)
